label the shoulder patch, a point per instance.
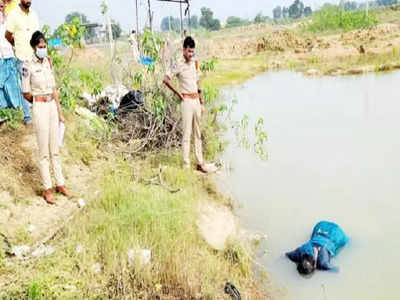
(25, 72)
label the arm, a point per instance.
(168, 83)
(28, 96)
(200, 91)
(324, 261)
(10, 38)
(59, 108)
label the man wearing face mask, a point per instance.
(39, 88)
(22, 23)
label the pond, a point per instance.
(334, 154)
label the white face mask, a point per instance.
(41, 52)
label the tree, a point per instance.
(71, 16)
(277, 13)
(207, 20)
(285, 12)
(116, 30)
(194, 22)
(296, 10)
(233, 21)
(350, 5)
(170, 23)
(260, 18)
(307, 11)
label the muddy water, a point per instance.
(334, 154)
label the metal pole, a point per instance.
(190, 21)
(137, 18)
(137, 25)
(180, 4)
(110, 36)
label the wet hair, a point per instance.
(36, 37)
(189, 43)
(306, 265)
(133, 31)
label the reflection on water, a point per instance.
(334, 154)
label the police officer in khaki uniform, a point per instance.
(192, 101)
(39, 88)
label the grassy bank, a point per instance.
(129, 209)
(127, 212)
(236, 71)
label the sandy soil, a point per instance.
(24, 215)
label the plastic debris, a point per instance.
(31, 228)
(89, 98)
(312, 72)
(211, 167)
(142, 255)
(114, 93)
(43, 251)
(21, 252)
(81, 203)
(79, 249)
(97, 268)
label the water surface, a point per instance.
(334, 154)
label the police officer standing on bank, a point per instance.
(39, 88)
(187, 72)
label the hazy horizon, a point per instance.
(123, 11)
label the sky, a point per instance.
(53, 12)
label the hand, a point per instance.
(181, 97)
(61, 118)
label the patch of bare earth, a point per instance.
(24, 216)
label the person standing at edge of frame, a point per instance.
(10, 90)
(187, 72)
(39, 88)
(22, 23)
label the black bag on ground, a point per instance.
(130, 102)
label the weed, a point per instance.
(13, 117)
(332, 17)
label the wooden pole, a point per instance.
(150, 16)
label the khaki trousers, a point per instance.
(191, 120)
(45, 119)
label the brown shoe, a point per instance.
(63, 191)
(201, 169)
(49, 197)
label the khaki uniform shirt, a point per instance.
(38, 77)
(187, 76)
(22, 26)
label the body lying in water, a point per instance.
(327, 239)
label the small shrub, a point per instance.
(332, 17)
(13, 117)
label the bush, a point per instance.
(13, 117)
(332, 17)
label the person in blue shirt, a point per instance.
(327, 239)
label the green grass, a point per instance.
(332, 18)
(236, 71)
(127, 214)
